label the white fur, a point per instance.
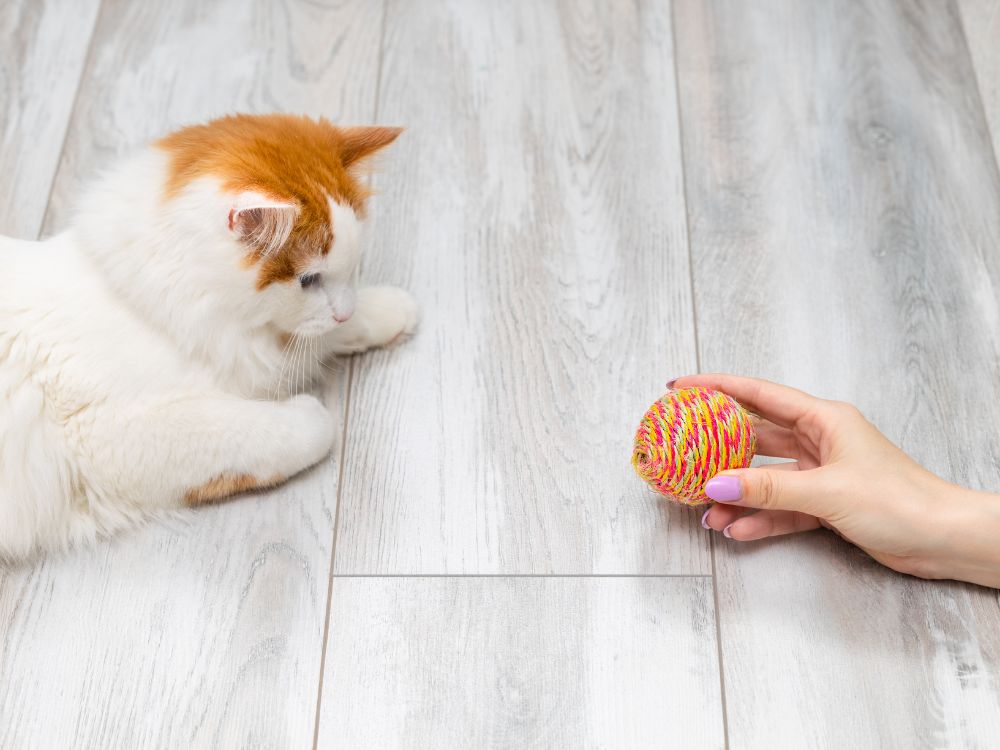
(138, 361)
(278, 219)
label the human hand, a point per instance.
(847, 476)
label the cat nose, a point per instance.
(342, 304)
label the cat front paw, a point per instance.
(390, 314)
(312, 426)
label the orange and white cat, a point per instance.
(144, 352)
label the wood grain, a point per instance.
(843, 217)
(43, 50)
(981, 23)
(535, 209)
(521, 662)
(207, 634)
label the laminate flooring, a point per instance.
(589, 199)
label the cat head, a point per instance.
(279, 199)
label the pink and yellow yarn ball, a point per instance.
(689, 436)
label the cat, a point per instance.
(154, 355)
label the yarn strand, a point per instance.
(687, 437)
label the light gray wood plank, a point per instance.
(536, 211)
(981, 23)
(842, 203)
(41, 58)
(210, 633)
(521, 662)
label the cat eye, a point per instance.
(309, 280)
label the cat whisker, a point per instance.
(295, 373)
(288, 386)
(298, 366)
(281, 372)
(311, 360)
(302, 365)
(323, 362)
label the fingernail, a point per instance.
(725, 532)
(724, 489)
(670, 383)
(704, 520)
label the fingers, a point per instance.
(720, 515)
(778, 403)
(775, 441)
(774, 488)
(767, 523)
(736, 523)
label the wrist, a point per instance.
(971, 544)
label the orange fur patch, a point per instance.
(288, 158)
(225, 486)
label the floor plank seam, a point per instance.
(684, 196)
(978, 88)
(718, 647)
(333, 551)
(697, 357)
(521, 575)
(343, 440)
(72, 115)
(378, 67)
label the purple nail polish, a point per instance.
(670, 383)
(724, 489)
(726, 533)
(704, 520)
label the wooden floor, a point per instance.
(590, 198)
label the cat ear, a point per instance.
(361, 142)
(261, 222)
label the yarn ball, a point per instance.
(689, 436)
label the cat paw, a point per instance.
(391, 314)
(313, 428)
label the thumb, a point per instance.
(770, 489)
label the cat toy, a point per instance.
(687, 437)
